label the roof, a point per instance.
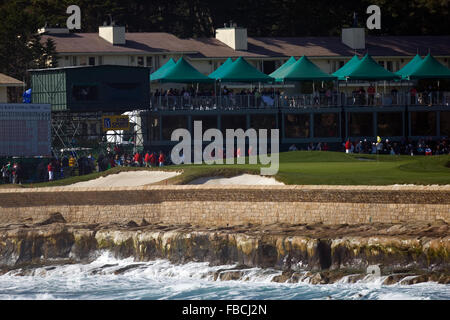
(304, 69)
(368, 69)
(160, 72)
(115, 66)
(183, 72)
(258, 47)
(242, 71)
(279, 71)
(429, 68)
(343, 71)
(406, 70)
(9, 81)
(222, 68)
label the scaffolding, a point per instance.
(75, 131)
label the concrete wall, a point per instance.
(233, 205)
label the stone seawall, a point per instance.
(230, 205)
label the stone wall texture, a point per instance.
(229, 205)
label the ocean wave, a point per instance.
(109, 278)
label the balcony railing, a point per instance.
(235, 102)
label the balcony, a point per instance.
(301, 101)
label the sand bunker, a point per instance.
(127, 179)
(244, 179)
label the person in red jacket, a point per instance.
(161, 159)
(153, 159)
(147, 160)
(348, 146)
(137, 159)
(50, 169)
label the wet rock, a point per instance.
(318, 278)
(394, 278)
(355, 278)
(53, 218)
(231, 275)
(414, 280)
(284, 277)
(444, 279)
(127, 268)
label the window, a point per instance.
(341, 64)
(149, 61)
(297, 125)
(397, 66)
(92, 61)
(74, 60)
(132, 60)
(100, 60)
(381, 63)
(140, 61)
(268, 66)
(389, 66)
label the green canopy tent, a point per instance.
(216, 74)
(283, 67)
(161, 71)
(303, 70)
(183, 72)
(368, 69)
(340, 74)
(242, 71)
(406, 70)
(429, 68)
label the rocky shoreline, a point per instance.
(406, 253)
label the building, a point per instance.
(113, 45)
(10, 89)
(80, 96)
(299, 124)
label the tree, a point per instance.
(20, 45)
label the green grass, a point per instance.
(306, 167)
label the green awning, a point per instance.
(369, 69)
(160, 72)
(406, 70)
(340, 74)
(303, 70)
(216, 74)
(429, 68)
(279, 71)
(183, 72)
(242, 71)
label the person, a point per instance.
(328, 96)
(5, 173)
(325, 147)
(371, 93)
(50, 170)
(348, 146)
(147, 160)
(161, 159)
(413, 93)
(394, 92)
(362, 96)
(137, 159)
(428, 151)
(152, 159)
(293, 148)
